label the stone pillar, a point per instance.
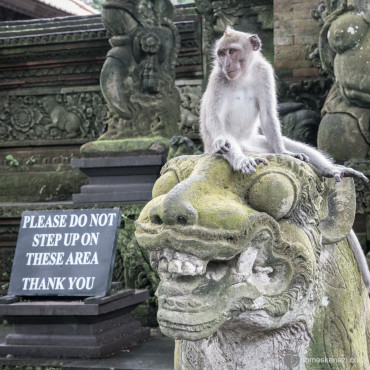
(137, 81)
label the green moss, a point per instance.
(157, 143)
(340, 322)
(40, 187)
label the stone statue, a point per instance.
(137, 78)
(344, 130)
(256, 271)
(345, 55)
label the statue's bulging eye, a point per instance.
(165, 183)
(346, 32)
(273, 193)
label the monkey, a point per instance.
(240, 99)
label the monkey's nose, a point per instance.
(174, 210)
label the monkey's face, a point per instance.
(234, 51)
(233, 249)
(231, 59)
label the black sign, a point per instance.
(65, 253)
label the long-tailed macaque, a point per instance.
(241, 98)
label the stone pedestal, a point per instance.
(118, 179)
(94, 328)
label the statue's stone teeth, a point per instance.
(185, 304)
(170, 302)
(189, 268)
(163, 265)
(154, 259)
(177, 263)
(175, 266)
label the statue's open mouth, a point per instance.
(208, 275)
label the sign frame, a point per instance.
(65, 253)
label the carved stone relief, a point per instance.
(70, 116)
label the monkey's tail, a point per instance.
(360, 258)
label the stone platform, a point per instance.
(94, 328)
(118, 179)
(154, 353)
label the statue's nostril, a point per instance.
(182, 220)
(155, 219)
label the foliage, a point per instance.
(12, 161)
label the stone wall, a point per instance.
(295, 31)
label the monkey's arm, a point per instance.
(212, 129)
(270, 123)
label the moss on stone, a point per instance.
(157, 144)
(40, 187)
(341, 317)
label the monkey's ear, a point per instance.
(255, 42)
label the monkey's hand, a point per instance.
(300, 156)
(221, 146)
(338, 172)
(248, 165)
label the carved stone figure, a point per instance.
(137, 78)
(344, 131)
(256, 271)
(345, 54)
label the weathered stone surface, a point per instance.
(256, 272)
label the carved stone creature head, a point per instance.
(240, 250)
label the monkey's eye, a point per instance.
(221, 53)
(232, 51)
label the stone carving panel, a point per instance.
(76, 117)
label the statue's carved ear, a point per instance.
(255, 42)
(338, 211)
